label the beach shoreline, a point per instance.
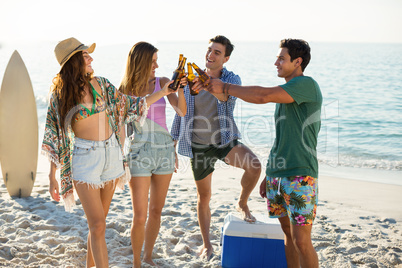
(358, 223)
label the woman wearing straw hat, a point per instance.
(151, 153)
(84, 120)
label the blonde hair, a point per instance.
(138, 69)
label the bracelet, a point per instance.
(224, 90)
(227, 90)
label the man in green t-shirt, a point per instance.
(292, 168)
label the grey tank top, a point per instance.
(206, 129)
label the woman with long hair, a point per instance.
(82, 137)
(151, 153)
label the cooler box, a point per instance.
(258, 244)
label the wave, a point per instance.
(336, 159)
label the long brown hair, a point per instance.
(69, 85)
(139, 64)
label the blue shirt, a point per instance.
(182, 128)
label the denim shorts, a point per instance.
(97, 162)
(295, 196)
(151, 153)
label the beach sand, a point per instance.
(358, 224)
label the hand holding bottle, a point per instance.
(191, 80)
(183, 82)
(178, 74)
(204, 77)
(197, 85)
(215, 86)
(167, 88)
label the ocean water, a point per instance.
(361, 86)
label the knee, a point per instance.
(155, 212)
(302, 245)
(98, 228)
(139, 219)
(253, 167)
(286, 231)
(204, 197)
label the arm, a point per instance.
(199, 86)
(160, 94)
(53, 185)
(51, 146)
(234, 80)
(150, 99)
(178, 103)
(176, 164)
(220, 96)
(175, 129)
(253, 94)
(175, 132)
(129, 108)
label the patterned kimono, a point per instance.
(58, 145)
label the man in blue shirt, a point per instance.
(291, 183)
(208, 132)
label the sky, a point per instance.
(116, 22)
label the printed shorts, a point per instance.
(156, 156)
(97, 162)
(295, 196)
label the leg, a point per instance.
(95, 204)
(242, 157)
(159, 189)
(139, 188)
(298, 224)
(204, 214)
(302, 241)
(292, 257)
(106, 198)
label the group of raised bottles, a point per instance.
(180, 72)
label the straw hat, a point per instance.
(67, 48)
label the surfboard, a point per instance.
(18, 129)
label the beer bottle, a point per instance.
(202, 75)
(182, 70)
(190, 78)
(178, 75)
(180, 59)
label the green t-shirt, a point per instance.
(297, 126)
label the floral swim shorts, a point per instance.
(295, 196)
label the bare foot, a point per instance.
(206, 254)
(149, 263)
(246, 214)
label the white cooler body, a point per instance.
(258, 244)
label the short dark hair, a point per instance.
(297, 48)
(224, 41)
